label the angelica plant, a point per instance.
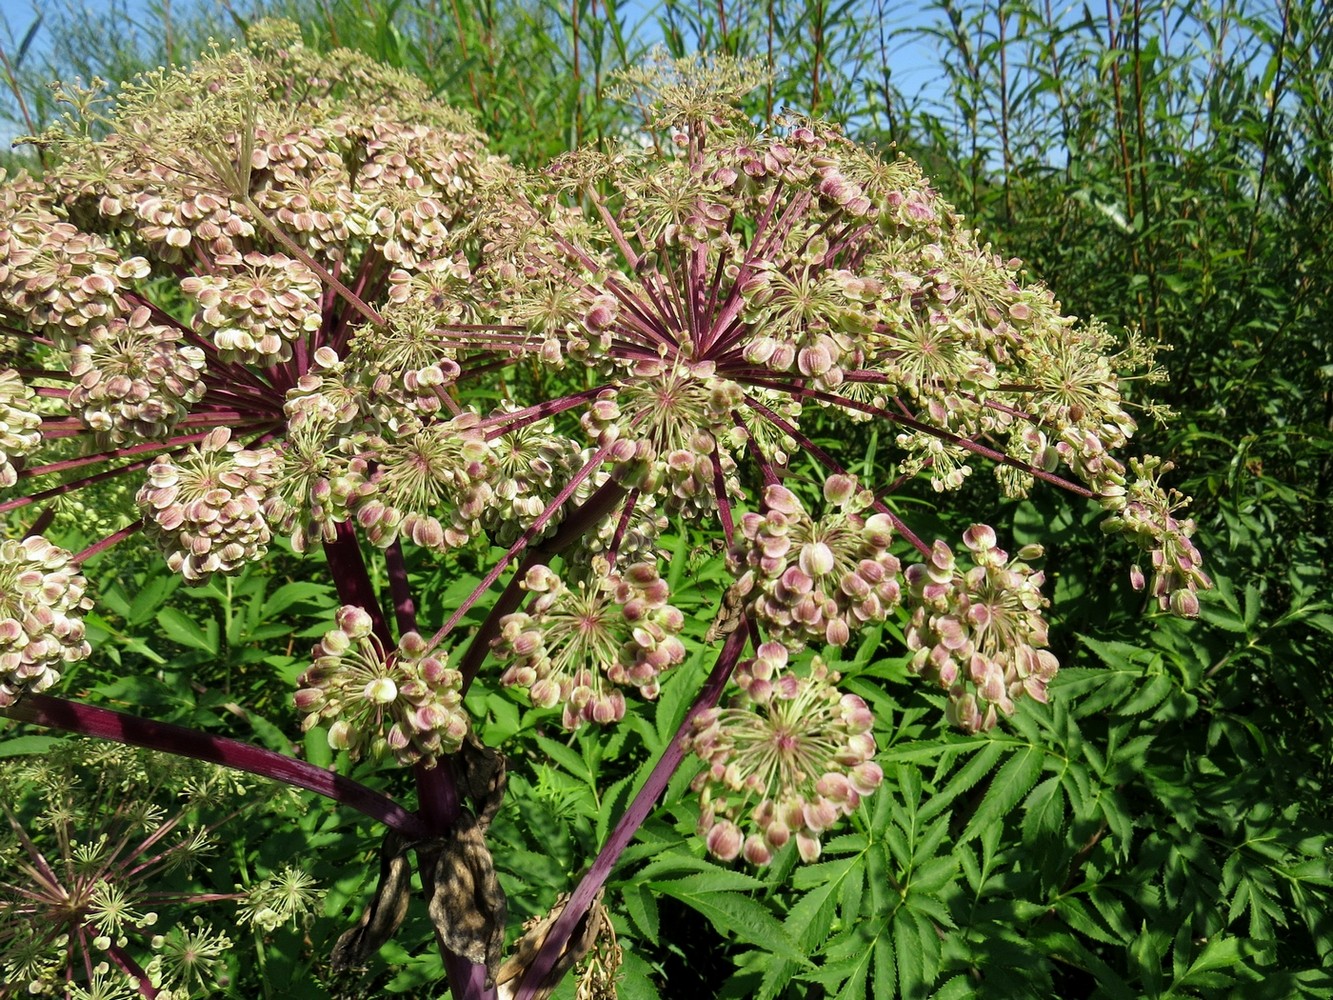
(290, 295)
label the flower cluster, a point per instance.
(53, 276)
(425, 472)
(135, 380)
(256, 306)
(817, 580)
(407, 702)
(1146, 512)
(41, 615)
(206, 510)
(578, 646)
(789, 757)
(19, 425)
(979, 633)
(286, 293)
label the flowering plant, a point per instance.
(288, 295)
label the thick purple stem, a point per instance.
(57, 713)
(558, 936)
(404, 608)
(348, 569)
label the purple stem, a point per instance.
(633, 818)
(404, 608)
(348, 570)
(533, 531)
(120, 727)
(115, 538)
(437, 788)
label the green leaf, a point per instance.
(21, 746)
(566, 758)
(300, 590)
(1007, 788)
(641, 905)
(977, 768)
(185, 632)
(1044, 811)
(908, 951)
(714, 880)
(150, 596)
(741, 916)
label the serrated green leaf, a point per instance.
(1006, 790)
(933, 875)
(641, 905)
(957, 988)
(810, 918)
(809, 876)
(907, 951)
(981, 764)
(566, 758)
(716, 880)
(1075, 912)
(635, 979)
(778, 974)
(741, 916)
(884, 982)
(1044, 810)
(676, 863)
(1147, 697)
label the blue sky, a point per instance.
(914, 64)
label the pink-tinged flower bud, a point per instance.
(340, 735)
(381, 691)
(308, 699)
(354, 621)
(834, 787)
(813, 361)
(808, 847)
(867, 777)
(724, 840)
(816, 559)
(1136, 577)
(777, 833)
(1185, 603)
(979, 537)
(756, 851)
(836, 633)
(545, 693)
